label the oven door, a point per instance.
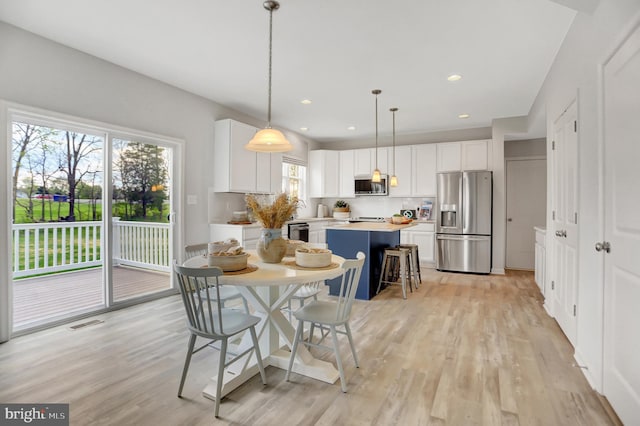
(298, 231)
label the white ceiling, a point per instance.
(333, 52)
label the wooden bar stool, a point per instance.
(396, 265)
(415, 263)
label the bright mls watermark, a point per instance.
(34, 414)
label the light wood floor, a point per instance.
(462, 350)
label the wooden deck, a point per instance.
(60, 295)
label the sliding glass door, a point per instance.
(80, 245)
(141, 218)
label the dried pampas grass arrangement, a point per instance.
(272, 215)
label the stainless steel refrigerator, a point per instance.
(463, 225)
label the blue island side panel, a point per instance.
(347, 243)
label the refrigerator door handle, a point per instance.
(462, 237)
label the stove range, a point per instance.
(366, 219)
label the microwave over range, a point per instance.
(364, 185)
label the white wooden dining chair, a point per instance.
(307, 291)
(228, 293)
(331, 315)
(207, 318)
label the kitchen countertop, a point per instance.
(370, 226)
(297, 220)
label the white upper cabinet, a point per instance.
(365, 160)
(449, 157)
(234, 166)
(404, 171)
(323, 173)
(276, 172)
(346, 172)
(362, 162)
(467, 155)
(476, 155)
(423, 182)
(237, 169)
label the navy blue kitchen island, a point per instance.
(371, 239)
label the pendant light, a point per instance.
(269, 139)
(393, 181)
(375, 177)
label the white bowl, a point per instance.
(313, 260)
(229, 263)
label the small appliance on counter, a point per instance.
(323, 211)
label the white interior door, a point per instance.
(622, 230)
(564, 223)
(526, 208)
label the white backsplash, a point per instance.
(376, 205)
(223, 204)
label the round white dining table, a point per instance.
(266, 290)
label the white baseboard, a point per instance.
(497, 271)
(588, 374)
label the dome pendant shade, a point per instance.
(376, 177)
(269, 140)
(393, 181)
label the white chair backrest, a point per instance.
(195, 250)
(349, 286)
(204, 310)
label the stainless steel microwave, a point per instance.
(364, 186)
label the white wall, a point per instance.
(575, 73)
(40, 73)
(525, 148)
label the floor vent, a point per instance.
(85, 324)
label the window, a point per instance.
(294, 177)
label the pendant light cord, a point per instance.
(394, 143)
(270, 67)
(376, 131)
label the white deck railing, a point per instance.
(40, 248)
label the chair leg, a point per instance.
(311, 330)
(353, 348)
(382, 272)
(336, 349)
(256, 348)
(289, 307)
(187, 361)
(403, 276)
(246, 305)
(220, 378)
(297, 337)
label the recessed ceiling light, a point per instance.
(305, 101)
(304, 129)
(464, 116)
(454, 77)
(351, 128)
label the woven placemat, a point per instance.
(250, 268)
(293, 265)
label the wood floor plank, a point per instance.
(460, 350)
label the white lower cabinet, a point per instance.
(247, 235)
(422, 234)
(317, 232)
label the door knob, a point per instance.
(598, 246)
(603, 246)
(563, 233)
(509, 220)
